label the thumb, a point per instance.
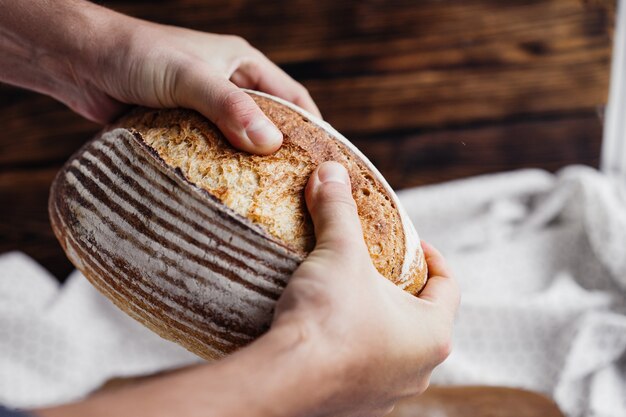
(333, 210)
(233, 111)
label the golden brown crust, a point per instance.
(269, 189)
(196, 240)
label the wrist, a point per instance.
(97, 39)
(284, 374)
(52, 46)
(272, 377)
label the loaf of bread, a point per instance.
(197, 240)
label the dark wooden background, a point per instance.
(429, 90)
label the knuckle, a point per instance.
(423, 385)
(343, 245)
(232, 38)
(418, 386)
(256, 56)
(171, 78)
(302, 90)
(238, 41)
(337, 195)
(443, 350)
(300, 94)
(238, 104)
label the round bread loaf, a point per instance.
(197, 240)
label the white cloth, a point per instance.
(541, 260)
(57, 344)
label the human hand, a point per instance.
(166, 66)
(344, 341)
(369, 342)
(98, 61)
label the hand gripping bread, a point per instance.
(197, 240)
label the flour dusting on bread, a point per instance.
(268, 190)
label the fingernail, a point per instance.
(262, 132)
(332, 172)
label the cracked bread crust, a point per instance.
(268, 190)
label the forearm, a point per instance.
(46, 44)
(268, 378)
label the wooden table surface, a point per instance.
(477, 401)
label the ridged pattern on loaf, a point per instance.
(164, 251)
(197, 240)
(269, 189)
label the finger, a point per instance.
(242, 80)
(333, 210)
(435, 261)
(441, 288)
(233, 111)
(266, 76)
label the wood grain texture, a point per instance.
(38, 131)
(24, 223)
(437, 155)
(477, 401)
(373, 65)
(429, 90)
